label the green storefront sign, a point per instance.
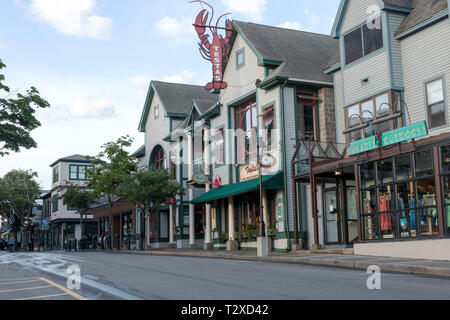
(404, 134)
(363, 145)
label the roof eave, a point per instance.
(212, 113)
(333, 68)
(146, 110)
(425, 24)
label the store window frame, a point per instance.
(445, 201)
(437, 103)
(395, 183)
(364, 133)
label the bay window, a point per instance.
(363, 40)
(374, 108)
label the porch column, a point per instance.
(171, 227)
(207, 156)
(232, 244)
(265, 212)
(191, 192)
(231, 218)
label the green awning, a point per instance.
(273, 182)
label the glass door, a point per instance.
(332, 217)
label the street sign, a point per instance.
(364, 145)
(404, 134)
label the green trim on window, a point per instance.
(55, 204)
(78, 167)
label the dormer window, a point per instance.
(364, 40)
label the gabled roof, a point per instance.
(296, 54)
(424, 10)
(75, 158)
(139, 153)
(176, 99)
(417, 11)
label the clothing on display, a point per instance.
(412, 214)
(429, 201)
(385, 217)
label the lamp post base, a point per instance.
(263, 246)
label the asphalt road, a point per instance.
(132, 277)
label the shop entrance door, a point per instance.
(332, 219)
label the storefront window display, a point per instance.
(445, 161)
(401, 201)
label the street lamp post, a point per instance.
(261, 230)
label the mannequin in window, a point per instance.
(385, 218)
(429, 200)
(412, 213)
(368, 210)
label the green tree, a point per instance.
(18, 193)
(17, 118)
(78, 197)
(112, 165)
(149, 186)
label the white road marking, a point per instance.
(57, 264)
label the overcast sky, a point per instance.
(93, 61)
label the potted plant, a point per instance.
(224, 237)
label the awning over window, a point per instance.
(273, 182)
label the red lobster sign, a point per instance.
(216, 51)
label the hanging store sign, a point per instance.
(216, 51)
(200, 178)
(268, 161)
(404, 134)
(249, 172)
(364, 145)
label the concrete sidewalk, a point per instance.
(395, 265)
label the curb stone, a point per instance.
(323, 262)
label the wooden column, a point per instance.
(439, 198)
(358, 204)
